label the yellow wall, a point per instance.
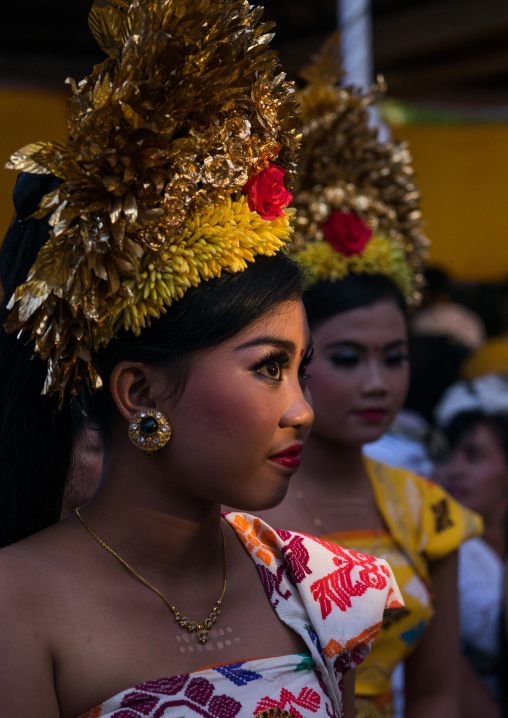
(26, 116)
(462, 171)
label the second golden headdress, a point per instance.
(357, 204)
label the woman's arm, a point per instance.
(432, 671)
(349, 694)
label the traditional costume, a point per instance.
(423, 524)
(180, 144)
(325, 593)
(358, 212)
(481, 569)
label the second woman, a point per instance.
(360, 242)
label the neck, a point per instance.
(137, 514)
(496, 541)
(324, 460)
(494, 529)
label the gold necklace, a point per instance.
(202, 629)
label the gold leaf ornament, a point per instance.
(109, 25)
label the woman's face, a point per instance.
(360, 373)
(475, 472)
(239, 425)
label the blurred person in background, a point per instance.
(413, 440)
(359, 239)
(475, 472)
(440, 315)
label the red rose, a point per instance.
(266, 193)
(346, 232)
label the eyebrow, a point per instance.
(361, 347)
(272, 341)
(286, 344)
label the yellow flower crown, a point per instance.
(352, 187)
(173, 173)
(381, 256)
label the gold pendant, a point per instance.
(202, 629)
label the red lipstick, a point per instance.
(372, 415)
(288, 458)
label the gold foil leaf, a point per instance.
(344, 167)
(109, 25)
(23, 160)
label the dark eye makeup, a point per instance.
(345, 358)
(396, 357)
(304, 365)
(350, 358)
(272, 364)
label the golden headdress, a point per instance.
(173, 173)
(357, 205)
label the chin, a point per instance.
(261, 501)
(369, 439)
(370, 434)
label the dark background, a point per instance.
(451, 51)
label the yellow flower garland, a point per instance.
(224, 238)
(381, 255)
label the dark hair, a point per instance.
(466, 421)
(36, 445)
(36, 439)
(434, 363)
(437, 281)
(327, 298)
(206, 316)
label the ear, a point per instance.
(131, 387)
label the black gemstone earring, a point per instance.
(149, 430)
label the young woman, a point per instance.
(146, 602)
(359, 240)
(358, 382)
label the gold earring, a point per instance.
(149, 430)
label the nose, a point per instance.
(375, 379)
(453, 470)
(299, 412)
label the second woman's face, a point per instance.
(239, 426)
(360, 373)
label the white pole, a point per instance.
(355, 24)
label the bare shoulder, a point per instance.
(27, 613)
(32, 572)
(33, 562)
